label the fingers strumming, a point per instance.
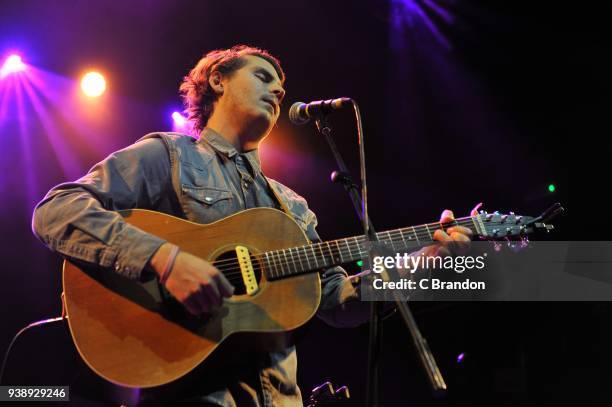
(213, 289)
(212, 298)
(225, 287)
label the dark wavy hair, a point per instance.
(197, 95)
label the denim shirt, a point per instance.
(201, 180)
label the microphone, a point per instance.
(301, 113)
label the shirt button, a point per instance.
(245, 184)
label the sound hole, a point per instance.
(227, 263)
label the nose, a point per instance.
(279, 92)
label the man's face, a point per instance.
(253, 93)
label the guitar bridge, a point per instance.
(246, 269)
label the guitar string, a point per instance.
(230, 271)
(423, 232)
(234, 275)
(396, 236)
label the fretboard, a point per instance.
(317, 256)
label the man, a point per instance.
(233, 99)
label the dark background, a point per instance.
(463, 102)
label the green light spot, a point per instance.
(360, 263)
(551, 188)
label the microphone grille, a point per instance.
(294, 114)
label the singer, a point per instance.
(232, 98)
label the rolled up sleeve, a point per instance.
(78, 219)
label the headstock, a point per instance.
(497, 226)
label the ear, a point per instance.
(215, 82)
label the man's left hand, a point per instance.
(454, 240)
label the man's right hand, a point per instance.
(196, 283)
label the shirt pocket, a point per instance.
(206, 204)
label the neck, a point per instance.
(242, 137)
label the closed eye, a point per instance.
(264, 76)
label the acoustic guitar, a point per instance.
(134, 334)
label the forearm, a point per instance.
(80, 219)
(70, 221)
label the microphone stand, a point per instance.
(427, 359)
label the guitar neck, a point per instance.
(314, 257)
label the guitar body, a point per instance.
(133, 335)
(136, 335)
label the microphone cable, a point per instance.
(22, 330)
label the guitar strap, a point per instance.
(282, 202)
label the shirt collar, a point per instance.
(220, 144)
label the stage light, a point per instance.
(12, 64)
(552, 188)
(359, 263)
(460, 357)
(93, 84)
(179, 119)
